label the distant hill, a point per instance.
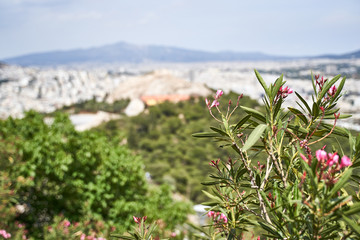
(129, 53)
(355, 54)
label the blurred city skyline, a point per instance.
(297, 28)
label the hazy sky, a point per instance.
(281, 27)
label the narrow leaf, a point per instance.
(354, 209)
(219, 131)
(341, 183)
(262, 82)
(304, 102)
(298, 114)
(256, 114)
(352, 224)
(205, 135)
(254, 137)
(327, 86)
(339, 89)
(242, 121)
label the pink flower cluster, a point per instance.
(5, 234)
(332, 158)
(332, 91)
(215, 103)
(66, 223)
(284, 91)
(214, 163)
(217, 217)
(320, 81)
(139, 219)
(329, 161)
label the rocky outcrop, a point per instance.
(157, 83)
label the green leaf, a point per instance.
(266, 227)
(297, 128)
(354, 209)
(298, 114)
(209, 195)
(324, 234)
(211, 183)
(262, 82)
(278, 107)
(313, 83)
(276, 87)
(122, 237)
(352, 224)
(219, 131)
(265, 199)
(341, 183)
(310, 174)
(254, 137)
(240, 173)
(304, 102)
(337, 130)
(242, 121)
(205, 135)
(256, 114)
(315, 110)
(342, 116)
(258, 180)
(327, 86)
(339, 89)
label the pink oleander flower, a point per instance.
(173, 234)
(224, 218)
(219, 93)
(83, 236)
(211, 214)
(321, 155)
(5, 234)
(66, 223)
(284, 91)
(20, 225)
(320, 82)
(215, 103)
(345, 162)
(333, 158)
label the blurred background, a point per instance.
(98, 101)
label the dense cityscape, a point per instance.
(47, 89)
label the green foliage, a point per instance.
(94, 106)
(81, 175)
(160, 136)
(289, 193)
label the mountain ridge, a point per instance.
(122, 52)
